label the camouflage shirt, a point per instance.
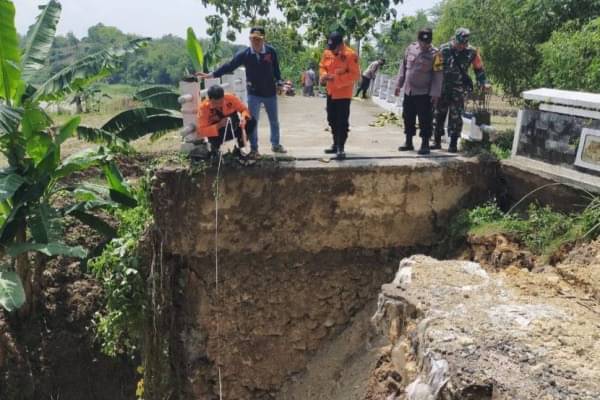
(452, 58)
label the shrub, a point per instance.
(571, 58)
(541, 229)
(119, 324)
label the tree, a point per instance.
(394, 37)
(163, 61)
(214, 31)
(571, 58)
(354, 18)
(240, 12)
(511, 31)
(293, 53)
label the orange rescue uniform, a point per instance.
(209, 117)
(345, 69)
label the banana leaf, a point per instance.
(11, 84)
(39, 40)
(194, 49)
(12, 294)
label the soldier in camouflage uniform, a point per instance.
(457, 55)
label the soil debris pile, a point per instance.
(457, 332)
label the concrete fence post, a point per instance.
(390, 89)
(383, 91)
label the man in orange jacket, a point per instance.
(219, 119)
(339, 70)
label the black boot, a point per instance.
(341, 155)
(437, 145)
(424, 147)
(453, 148)
(331, 150)
(408, 145)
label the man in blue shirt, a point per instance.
(262, 76)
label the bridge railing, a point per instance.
(382, 93)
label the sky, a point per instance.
(153, 18)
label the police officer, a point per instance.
(420, 76)
(457, 55)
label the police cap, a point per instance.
(425, 35)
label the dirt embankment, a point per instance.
(301, 252)
(52, 355)
(509, 328)
(270, 315)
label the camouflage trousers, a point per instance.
(454, 106)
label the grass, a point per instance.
(121, 98)
(542, 230)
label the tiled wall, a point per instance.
(552, 137)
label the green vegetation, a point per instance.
(502, 145)
(119, 324)
(36, 176)
(162, 61)
(541, 229)
(294, 55)
(391, 41)
(524, 40)
(571, 58)
(499, 149)
(38, 188)
(318, 17)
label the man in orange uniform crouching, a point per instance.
(219, 120)
(339, 70)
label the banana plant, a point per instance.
(159, 114)
(36, 175)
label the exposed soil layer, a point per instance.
(52, 355)
(271, 314)
(499, 251)
(283, 209)
(519, 185)
(301, 252)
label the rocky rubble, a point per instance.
(458, 332)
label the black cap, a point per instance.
(215, 92)
(257, 31)
(425, 35)
(334, 40)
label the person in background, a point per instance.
(339, 70)
(223, 117)
(457, 56)
(262, 76)
(420, 76)
(368, 76)
(308, 82)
